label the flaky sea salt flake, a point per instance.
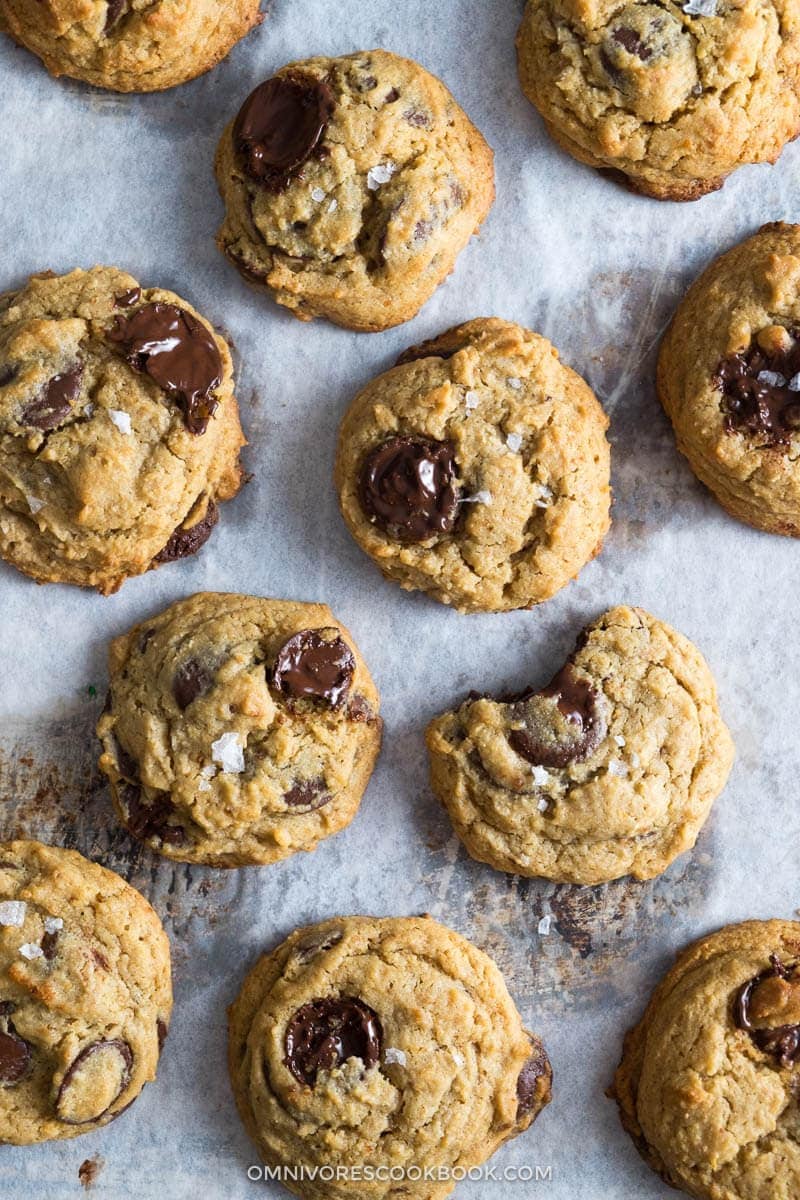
(318, 194)
(700, 8)
(121, 419)
(471, 401)
(482, 497)
(544, 925)
(794, 383)
(30, 950)
(382, 173)
(34, 504)
(541, 776)
(53, 924)
(542, 804)
(392, 1055)
(619, 739)
(544, 498)
(334, 204)
(514, 383)
(617, 767)
(228, 751)
(772, 379)
(514, 442)
(12, 912)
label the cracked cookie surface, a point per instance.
(351, 186)
(707, 1086)
(379, 1043)
(238, 730)
(130, 45)
(85, 993)
(675, 99)
(477, 469)
(119, 429)
(729, 379)
(609, 770)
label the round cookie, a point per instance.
(369, 1046)
(477, 469)
(129, 45)
(238, 730)
(707, 1086)
(729, 379)
(119, 429)
(609, 770)
(351, 185)
(85, 993)
(673, 95)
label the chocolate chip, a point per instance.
(15, 1053)
(186, 541)
(324, 1034)
(178, 353)
(49, 944)
(162, 1030)
(408, 488)
(561, 724)
(630, 40)
(782, 1042)
(147, 819)
(391, 96)
(359, 709)
(310, 794)
(315, 944)
(756, 397)
(115, 12)
(94, 1082)
(190, 681)
(315, 664)
(128, 299)
(54, 403)
(419, 120)
(280, 125)
(444, 346)
(533, 1084)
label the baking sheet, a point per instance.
(91, 177)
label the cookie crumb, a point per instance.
(89, 1169)
(12, 912)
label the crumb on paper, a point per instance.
(228, 751)
(89, 1169)
(12, 912)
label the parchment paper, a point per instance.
(89, 177)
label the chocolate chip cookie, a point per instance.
(119, 429)
(729, 379)
(364, 1046)
(707, 1086)
(477, 469)
(351, 186)
(673, 95)
(85, 993)
(129, 45)
(610, 769)
(238, 730)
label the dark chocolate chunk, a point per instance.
(249, 271)
(359, 709)
(150, 819)
(115, 11)
(190, 681)
(128, 299)
(280, 125)
(94, 1082)
(408, 488)
(533, 1084)
(178, 353)
(310, 794)
(630, 40)
(561, 724)
(49, 944)
(326, 1033)
(54, 403)
(782, 1042)
(757, 399)
(315, 944)
(7, 373)
(419, 120)
(444, 346)
(186, 541)
(162, 1030)
(15, 1053)
(315, 664)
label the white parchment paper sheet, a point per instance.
(89, 177)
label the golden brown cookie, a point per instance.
(238, 730)
(363, 1046)
(610, 769)
(351, 185)
(673, 95)
(85, 993)
(729, 379)
(707, 1086)
(129, 45)
(119, 429)
(477, 469)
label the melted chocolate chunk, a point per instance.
(308, 793)
(94, 1081)
(360, 710)
(247, 270)
(190, 681)
(444, 346)
(315, 664)
(185, 542)
(128, 299)
(15, 1053)
(533, 1084)
(49, 944)
(146, 820)
(162, 1030)
(280, 125)
(629, 40)
(325, 1033)
(757, 399)
(178, 353)
(408, 488)
(54, 403)
(780, 1041)
(562, 724)
(316, 944)
(115, 12)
